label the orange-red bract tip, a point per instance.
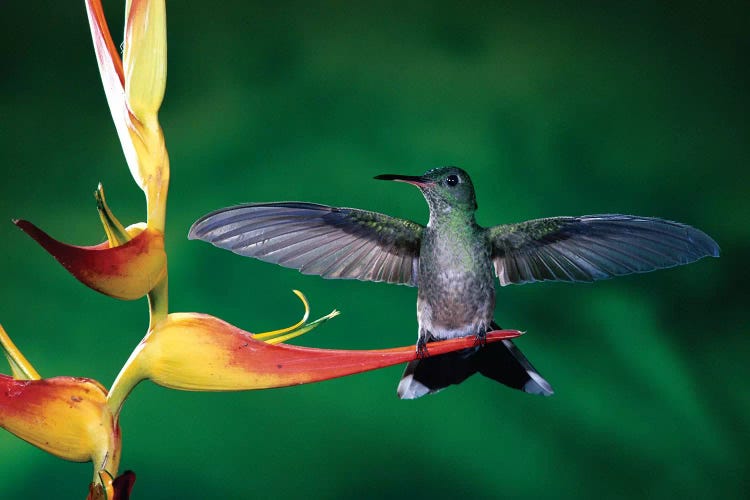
(128, 271)
(292, 365)
(192, 351)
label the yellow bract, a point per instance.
(76, 423)
(65, 416)
(199, 352)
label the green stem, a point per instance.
(130, 375)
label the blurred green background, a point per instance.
(554, 109)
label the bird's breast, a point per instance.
(456, 290)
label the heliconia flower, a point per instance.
(134, 93)
(127, 266)
(199, 352)
(127, 271)
(65, 416)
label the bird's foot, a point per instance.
(422, 351)
(480, 339)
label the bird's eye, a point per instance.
(451, 180)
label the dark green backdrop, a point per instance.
(553, 109)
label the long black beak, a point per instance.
(417, 180)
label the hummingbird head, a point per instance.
(444, 188)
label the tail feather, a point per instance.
(506, 363)
(428, 375)
(501, 361)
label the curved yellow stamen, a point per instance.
(306, 328)
(274, 333)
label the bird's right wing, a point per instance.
(317, 239)
(593, 247)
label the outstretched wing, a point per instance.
(318, 239)
(593, 247)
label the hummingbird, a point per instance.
(453, 262)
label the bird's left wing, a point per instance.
(317, 239)
(593, 247)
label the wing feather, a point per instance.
(593, 247)
(318, 239)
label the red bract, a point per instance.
(127, 271)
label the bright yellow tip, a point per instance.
(145, 58)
